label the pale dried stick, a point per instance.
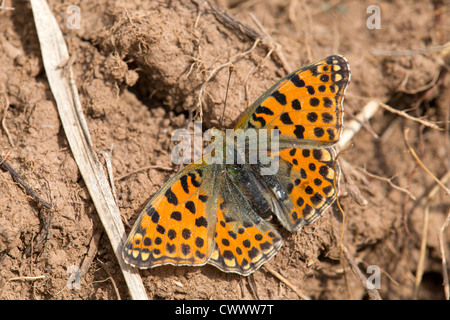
(26, 278)
(5, 111)
(443, 259)
(353, 126)
(109, 169)
(398, 112)
(54, 51)
(423, 244)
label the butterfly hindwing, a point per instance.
(243, 240)
(304, 185)
(177, 226)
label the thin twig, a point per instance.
(5, 111)
(267, 40)
(407, 116)
(423, 245)
(252, 284)
(105, 267)
(443, 259)
(232, 60)
(393, 110)
(26, 278)
(92, 252)
(126, 175)
(365, 125)
(286, 282)
(5, 167)
(405, 134)
(228, 20)
(424, 87)
(373, 293)
(389, 181)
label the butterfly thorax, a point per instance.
(254, 191)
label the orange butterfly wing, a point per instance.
(177, 226)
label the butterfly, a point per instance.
(222, 214)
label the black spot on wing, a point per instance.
(264, 110)
(194, 181)
(184, 184)
(171, 197)
(314, 101)
(285, 118)
(280, 97)
(312, 117)
(299, 131)
(259, 119)
(296, 105)
(297, 81)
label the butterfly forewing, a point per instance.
(305, 106)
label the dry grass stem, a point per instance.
(445, 268)
(423, 244)
(232, 60)
(286, 282)
(5, 112)
(409, 117)
(126, 175)
(413, 153)
(389, 181)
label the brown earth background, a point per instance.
(140, 67)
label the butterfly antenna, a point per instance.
(230, 71)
